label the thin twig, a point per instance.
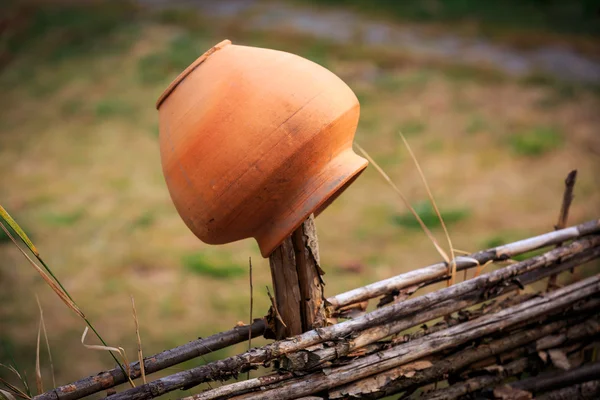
(38, 370)
(563, 216)
(251, 306)
(139, 341)
(46, 339)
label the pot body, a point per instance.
(253, 141)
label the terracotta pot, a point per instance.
(253, 141)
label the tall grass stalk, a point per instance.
(53, 282)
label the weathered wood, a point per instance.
(558, 379)
(308, 265)
(307, 360)
(233, 365)
(248, 385)
(113, 377)
(563, 216)
(296, 276)
(584, 391)
(461, 389)
(107, 379)
(287, 291)
(441, 269)
(431, 344)
(391, 382)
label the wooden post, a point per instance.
(296, 275)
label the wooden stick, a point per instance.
(110, 378)
(589, 390)
(226, 391)
(431, 344)
(472, 385)
(558, 379)
(440, 270)
(296, 275)
(113, 377)
(302, 361)
(233, 365)
(394, 381)
(564, 215)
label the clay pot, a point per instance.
(253, 141)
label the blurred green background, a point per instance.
(499, 101)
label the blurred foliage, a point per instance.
(577, 16)
(63, 219)
(429, 217)
(181, 52)
(536, 141)
(214, 267)
(54, 31)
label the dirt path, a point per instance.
(346, 27)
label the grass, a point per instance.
(425, 210)
(61, 31)
(145, 220)
(412, 127)
(180, 52)
(398, 82)
(200, 264)
(569, 17)
(536, 141)
(476, 124)
(62, 219)
(112, 107)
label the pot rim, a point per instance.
(189, 69)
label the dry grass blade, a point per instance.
(63, 296)
(452, 265)
(7, 395)
(481, 267)
(27, 393)
(47, 342)
(38, 370)
(274, 304)
(15, 227)
(251, 306)
(406, 203)
(139, 341)
(54, 283)
(119, 350)
(15, 390)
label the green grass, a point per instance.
(425, 210)
(398, 82)
(412, 127)
(536, 141)
(318, 52)
(71, 107)
(563, 16)
(476, 124)
(179, 54)
(62, 219)
(200, 264)
(112, 107)
(145, 220)
(58, 31)
(465, 73)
